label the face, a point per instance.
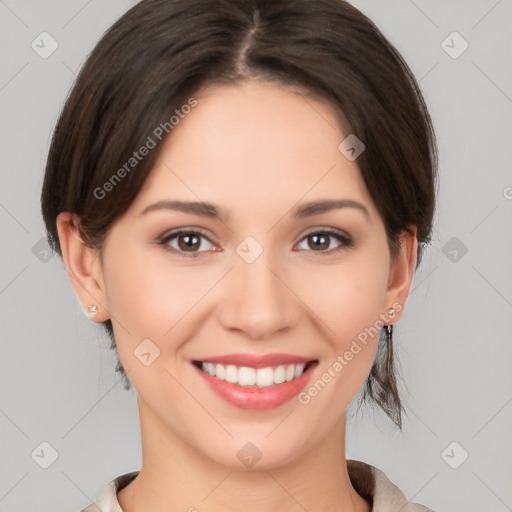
(258, 279)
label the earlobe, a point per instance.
(402, 272)
(83, 267)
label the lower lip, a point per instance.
(255, 398)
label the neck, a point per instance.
(176, 476)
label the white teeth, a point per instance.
(246, 376)
(231, 373)
(279, 375)
(249, 377)
(289, 374)
(219, 371)
(264, 377)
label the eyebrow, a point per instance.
(323, 206)
(209, 210)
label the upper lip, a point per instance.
(257, 361)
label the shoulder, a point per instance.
(373, 485)
(107, 501)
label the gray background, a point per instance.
(57, 379)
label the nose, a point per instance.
(257, 300)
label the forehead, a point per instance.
(255, 143)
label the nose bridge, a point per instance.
(257, 301)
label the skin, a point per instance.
(257, 150)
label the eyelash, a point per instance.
(345, 240)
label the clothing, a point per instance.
(369, 482)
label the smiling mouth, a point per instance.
(246, 376)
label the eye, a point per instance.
(186, 242)
(320, 241)
(190, 243)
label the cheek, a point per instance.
(150, 298)
(137, 293)
(349, 298)
(347, 302)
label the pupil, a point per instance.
(321, 245)
(187, 242)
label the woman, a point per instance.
(241, 191)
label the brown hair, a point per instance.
(161, 52)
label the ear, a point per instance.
(83, 266)
(401, 273)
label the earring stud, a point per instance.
(391, 312)
(93, 309)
